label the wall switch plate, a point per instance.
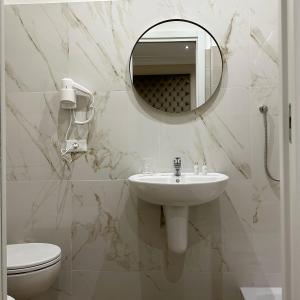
(76, 146)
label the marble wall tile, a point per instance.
(219, 136)
(110, 239)
(114, 285)
(11, 2)
(34, 128)
(104, 58)
(108, 227)
(95, 56)
(228, 126)
(119, 141)
(267, 249)
(180, 140)
(108, 32)
(246, 221)
(128, 234)
(61, 290)
(117, 149)
(40, 211)
(108, 155)
(149, 285)
(143, 135)
(236, 228)
(36, 131)
(264, 43)
(204, 251)
(37, 47)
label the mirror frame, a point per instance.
(162, 22)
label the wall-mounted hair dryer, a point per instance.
(68, 98)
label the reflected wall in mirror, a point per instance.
(176, 66)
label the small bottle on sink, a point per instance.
(204, 168)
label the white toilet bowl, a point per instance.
(31, 268)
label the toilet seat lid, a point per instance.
(20, 256)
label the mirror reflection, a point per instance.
(176, 66)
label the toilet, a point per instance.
(31, 268)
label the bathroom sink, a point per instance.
(176, 194)
(187, 190)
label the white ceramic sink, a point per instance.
(187, 190)
(176, 194)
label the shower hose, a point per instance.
(264, 110)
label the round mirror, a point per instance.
(176, 66)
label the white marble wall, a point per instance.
(14, 2)
(114, 245)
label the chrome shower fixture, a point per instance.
(264, 110)
(177, 166)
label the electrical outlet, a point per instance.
(76, 146)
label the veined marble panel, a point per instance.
(264, 43)
(225, 131)
(250, 225)
(40, 211)
(36, 47)
(119, 138)
(153, 285)
(113, 231)
(115, 239)
(102, 35)
(34, 123)
(13, 2)
(106, 229)
(107, 240)
(117, 148)
(61, 290)
(95, 57)
(119, 141)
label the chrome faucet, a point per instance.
(177, 166)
